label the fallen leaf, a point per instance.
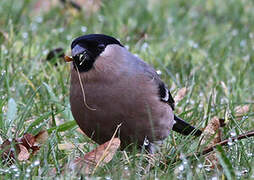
(90, 6)
(66, 146)
(210, 136)
(88, 163)
(28, 140)
(52, 172)
(211, 131)
(42, 137)
(242, 110)
(44, 6)
(180, 94)
(212, 161)
(22, 147)
(23, 155)
(8, 154)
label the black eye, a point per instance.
(101, 47)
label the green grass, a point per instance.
(196, 44)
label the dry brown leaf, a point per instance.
(28, 140)
(44, 5)
(23, 155)
(90, 6)
(87, 164)
(22, 147)
(8, 154)
(52, 172)
(210, 132)
(212, 161)
(210, 136)
(180, 94)
(66, 146)
(97, 153)
(242, 110)
(42, 137)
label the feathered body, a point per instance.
(122, 89)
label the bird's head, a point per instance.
(85, 49)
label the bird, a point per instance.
(110, 86)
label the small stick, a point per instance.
(222, 143)
(225, 142)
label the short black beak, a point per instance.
(77, 50)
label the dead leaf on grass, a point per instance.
(87, 164)
(23, 154)
(23, 147)
(28, 140)
(242, 110)
(98, 157)
(44, 6)
(42, 137)
(212, 135)
(8, 153)
(180, 94)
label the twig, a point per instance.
(222, 143)
(225, 142)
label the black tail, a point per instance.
(184, 128)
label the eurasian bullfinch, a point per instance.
(111, 86)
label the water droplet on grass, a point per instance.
(36, 163)
(208, 169)
(249, 154)
(68, 37)
(214, 178)
(243, 43)
(245, 117)
(234, 32)
(28, 170)
(181, 167)
(34, 27)
(144, 46)
(159, 72)
(61, 30)
(5, 51)
(39, 19)
(108, 178)
(25, 35)
(200, 165)
(45, 52)
(180, 176)
(230, 142)
(83, 29)
(233, 133)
